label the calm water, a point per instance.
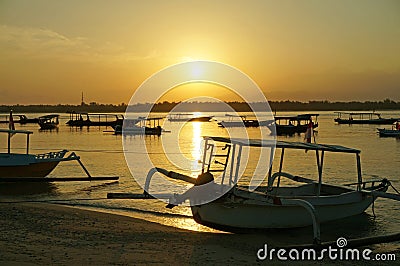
(102, 153)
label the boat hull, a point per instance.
(388, 132)
(40, 169)
(239, 215)
(382, 121)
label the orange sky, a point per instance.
(50, 51)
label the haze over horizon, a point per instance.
(51, 51)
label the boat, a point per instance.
(26, 167)
(82, 119)
(393, 132)
(18, 119)
(363, 118)
(48, 122)
(140, 126)
(181, 117)
(240, 121)
(290, 125)
(271, 206)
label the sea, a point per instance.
(179, 149)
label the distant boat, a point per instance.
(140, 126)
(290, 125)
(77, 119)
(393, 132)
(18, 119)
(48, 122)
(180, 117)
(363, 118)
(240, 121)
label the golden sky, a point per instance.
(51, 51)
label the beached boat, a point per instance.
(26, 167)
(180, 117)
(140, 126)
(77, 119)
(290, 125)
(240, 121)
(48, 122)
(272, 205)
(363, 118)
(29, 165)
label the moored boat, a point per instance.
(290, 125)
(140, 126)
(272, 205)
(393, 132)
(48, 122)
(363, 118)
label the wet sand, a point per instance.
(48, 234)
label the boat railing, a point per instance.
(51, 155)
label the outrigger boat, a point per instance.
(18, 119)
(272, 205)
(48, 122)
(77, 119)
(240, 121)
(25, 167)
(140, 126)
(180, 117)
(393, 132)
(290, 125)
(363, 118)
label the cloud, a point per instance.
(37, 43)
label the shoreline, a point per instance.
(43, 234)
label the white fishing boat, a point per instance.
(271, 205)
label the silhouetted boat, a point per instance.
(289, 125)
(18, 119)
(363, 118)
(180, 117)
(140, 126)
(241, 121)
(393, 132)
(77, 119)
(48, 122)
(25, 167)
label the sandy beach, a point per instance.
(48, 234)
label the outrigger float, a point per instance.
(25, 167)
(272, 205)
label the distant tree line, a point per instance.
(165, 106)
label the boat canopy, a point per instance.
(285, 144)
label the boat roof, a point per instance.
(48, 116)
(2, 130)
(285, 144)
(358, 113)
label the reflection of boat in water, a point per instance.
(140, 126)
(363, 118)
(393, 132)
(180, 117)
(222, 204)
(290, 125)
(48, 121)
(241, 121)
(77, 119)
